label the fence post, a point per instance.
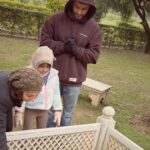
(106, 119)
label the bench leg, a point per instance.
(103, 96)
(95, 99)
(98, 97)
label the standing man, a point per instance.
(75, 40)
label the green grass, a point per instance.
(15, 52)
(129, 74)
(127, 71)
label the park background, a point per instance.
(124, 63)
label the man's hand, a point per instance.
(70, 46)
(57, 117)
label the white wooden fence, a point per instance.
(96, 136)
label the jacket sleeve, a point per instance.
(57, 104)
(47, 37)
(9, 121)
(3, 141)
(91, 52)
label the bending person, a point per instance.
(15, 87)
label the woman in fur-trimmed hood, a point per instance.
(16, 86)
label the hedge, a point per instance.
(25, 21)
(22, 20)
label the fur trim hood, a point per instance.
(25, 79)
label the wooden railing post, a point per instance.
(107, 121)
(107, 116)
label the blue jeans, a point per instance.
(50, 122)
(70, 96)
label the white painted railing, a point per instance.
(96, 136)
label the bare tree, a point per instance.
(127, 8)
(140, 7)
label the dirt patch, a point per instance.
(85, 113)
(142, 122)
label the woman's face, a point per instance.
(29, 95)
(44, 68)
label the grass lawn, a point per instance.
(127, 71)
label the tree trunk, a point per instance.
(147, 31)
(147, 47)
(141, 12)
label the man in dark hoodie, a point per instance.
(16, 86)
(75, 40)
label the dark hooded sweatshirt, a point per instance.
(6, 105)
(58, 28)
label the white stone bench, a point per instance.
(97, 91)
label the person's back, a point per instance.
(75, 39)
(5, 96)
(15, 87)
